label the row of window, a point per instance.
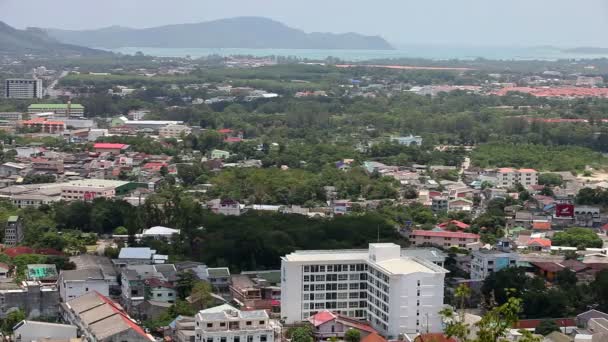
(334, 295)
(248, 338)
(335, 268)
(334, 287)
(348, 313)
(334, 277)
(232, 324)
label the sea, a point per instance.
(414, 51)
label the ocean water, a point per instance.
(419, 51)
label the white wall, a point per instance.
(69, 290)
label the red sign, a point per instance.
(89, 196)
(564, 210)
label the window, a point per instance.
(222, 339)
(159, 295)
(209, 325)
(236, 339)
(249, 338)
(262, 322)
(248, 323)
(263, 338)
(170, 294)
(209, 339)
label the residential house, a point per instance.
(445, 239)
(100, 319)
(75, 283)
(111, 148)
(409, 140)
(327, 324)
(226, 207)
(225, 323)
(147, 282)
(138, 256)
(219, 154)
(12, 169)
(439, 204)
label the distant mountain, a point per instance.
(587, 50)
(243, 32)
(37, 42)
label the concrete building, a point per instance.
(44, 125)
(508, 177)
(225, 323)
(26, 331)
(138, 256)
(20, 88)
(485, 263)
(89, 189)
(445, 239)
(76, 283)
(99, 319)
(13, 233)
(440, 204)
(174, 131)
(68, 109)
(11, 116)
(409, 140)
(34, 298)
(397, 294)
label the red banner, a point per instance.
(564, 210)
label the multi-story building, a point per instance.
(20, 88)
(11, 116)
(174, 131)
(225, 323)
(396, 293)
(485, 263)
(13, 233)
(62, 109)
(44, 125)
(33, 297)
(440, 204)
(508, 177)
(76, 283)
(89, 189)
(445, 239)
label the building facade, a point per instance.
(445, 239)
(508, 178)
(485, 263)
(20, 88)
(13, 233)
(396, 293)
(75, 283)
(225, 323)
(174, 131)
(68, 109)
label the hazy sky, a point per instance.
(475, 22)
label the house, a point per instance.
(4, 269)
(327, 324)
(439, 204)
(541, 225)
(44, 273)
(41, 331)
(226, 323)
(436, 337)
(455, 223)
(75, 283)
(460, 204)
(98, 318)
(12, 169)
(219, 154)
(583, 318)
(445, 239)
(539, 244)
(112, 148)
(147, 282)
(226, 207)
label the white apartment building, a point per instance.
(396, 293)
(487, 262)
(20, 88)
(508, 177)
(225, 323)
(174, 131)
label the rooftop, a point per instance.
(55, 106)
(136, 253)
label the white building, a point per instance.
(174, 131)
(224, 323)
(508, 177)
(89, 189)
(43, 331)
(76, 283)
(19, 88)
(396, 293)
(160, 232)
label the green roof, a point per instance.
(41, 272)
(13, 218)
(54, 106)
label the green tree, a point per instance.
(201, 295)
(11, 320)
(546, 327)
(577, 237)
(184, 284)
(301, 334)
(352, 335)
(120, 230)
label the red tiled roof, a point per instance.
(435, 337)
(533, 323)
(110, 146)
(224, 130)
(5, 266)
(154, 166)
(233, 139)
(321, 318)
(15, 251)
(605, 227)
(445, 234)
(539, 241)
(548, 266)
(574, 265)
(356, 324)
(459, 224)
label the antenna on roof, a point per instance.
(378, 229)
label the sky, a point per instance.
(564, 23)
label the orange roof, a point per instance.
(321, 317)
(373, 337)
(539, 242)
(435, 337)
(527, 170)
(541, 225)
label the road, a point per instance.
(50, 90)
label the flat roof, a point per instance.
(408, 265)
(328, 255)
(55, 106)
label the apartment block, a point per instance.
(485, 263)
(508, 177)
(13, 233)
(20, 88)
(174, 131)
(397, 294)
(445, 239)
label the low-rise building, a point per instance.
(508, 177)
(409, 140)
(174, 131)
(225, 323)
(219, 154)
(44, 125)
(112, 148)
(26, 331)
(76, 283)
(485, 263)
(90, 189)
(33, 297)
(138, 256)
(67, 109)
(445, 239)
(99, 319)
